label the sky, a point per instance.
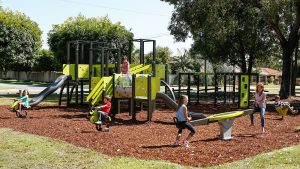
(147, 19)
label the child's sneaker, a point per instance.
(295, 111)
(98, 122)
(185, 143)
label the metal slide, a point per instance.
(170, 102)
(173, 105)
(169, 88)
(60, 81)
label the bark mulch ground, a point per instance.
(153, 140)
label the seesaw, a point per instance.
(225, 121)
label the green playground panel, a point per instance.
(155, 87)
(160, 71)
(83, 71)
(69, 69)
(116, 94)
(141, 85)
(96, 70)
(244, 91)
(223, 116)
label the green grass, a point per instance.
(7, 99)
(284, 158)
(23, 82)
(20, 150)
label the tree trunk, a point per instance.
(250, 63)
(294, 72)
(285, 88)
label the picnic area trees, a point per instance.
(20, 39)
(100, 29)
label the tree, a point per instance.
(20, 39)
(135, 56)
(283, 17)
(91, 29)
(224, 31)
(163, 55)
(183, 62)
(45, 57)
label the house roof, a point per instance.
(269, 72)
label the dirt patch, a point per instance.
(153, 140)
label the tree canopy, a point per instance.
(223, 30)
(240, 32)
(91, 29)
(163, 56)
(20, 39)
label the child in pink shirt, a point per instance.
(259, 105)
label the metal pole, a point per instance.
(149, 99)
(106, 64)
(189, 88)
(119, 61)
(82, 53)
(76, 70)
(142, 52)
(225, 85)
(154, 51)
(68, 52)
(102, 62)
(90, 66)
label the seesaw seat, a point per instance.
(282, 111)
(225, 121)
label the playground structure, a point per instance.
(102, 76)
(141, 86)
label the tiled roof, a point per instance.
(270, 72)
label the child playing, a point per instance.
(125, 65)
(23, 101)
(183, 121)
(103, 110)
(283, 105)
(259, 105)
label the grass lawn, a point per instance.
(7, 99)
(21, 150)
(24, 82)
